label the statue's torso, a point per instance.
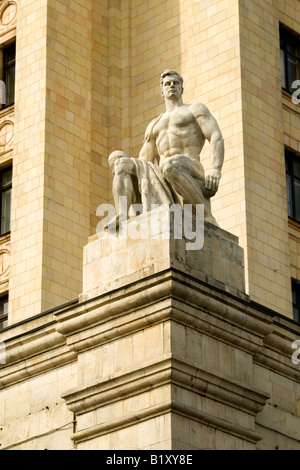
(178, 133)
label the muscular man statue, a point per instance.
(168, 169)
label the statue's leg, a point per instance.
(187, 180)
(122, 190)
(184, 184)
(179, 175)
(209, 217)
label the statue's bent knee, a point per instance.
(170, 167)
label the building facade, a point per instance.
(79, 80)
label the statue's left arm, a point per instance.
(211, 131)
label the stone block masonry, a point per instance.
(166, 355)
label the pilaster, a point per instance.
(50, 211)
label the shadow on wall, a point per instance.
(133, 42)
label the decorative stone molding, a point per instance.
(4, 264)
(8, 16)
(8, 12)
(32, 354)
(175, 373)
(4, 269)
(6, 131)
(163, 296)
(172, 407)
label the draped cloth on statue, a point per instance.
(152, 187)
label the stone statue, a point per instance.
(168, 169)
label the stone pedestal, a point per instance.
(156, 241)
(165, 341)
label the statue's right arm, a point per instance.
(148, 151)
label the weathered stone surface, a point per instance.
(110, 262)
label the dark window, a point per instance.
(296, 300)
(292, 164)
(290, 58)
(5, 203)
(3, 312)
(9, 60)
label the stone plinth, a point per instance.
(156, 333)
(156, 241)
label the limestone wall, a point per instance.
(87, 83)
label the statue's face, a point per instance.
(171, 87)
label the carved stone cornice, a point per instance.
(175, 295)
(166, 295)
(173, 372)
(31, 354)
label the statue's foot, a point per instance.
(113, 225)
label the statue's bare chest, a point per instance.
(180, 120)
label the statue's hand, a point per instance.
(114, 157)
(212, 182)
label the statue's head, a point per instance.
(170, 73)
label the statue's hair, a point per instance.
(170, 72)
